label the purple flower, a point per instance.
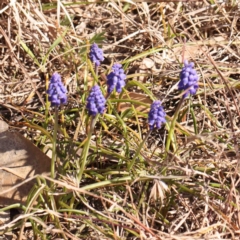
(116, 79)
(96, 54)
(95, 101)
(188, 79)
(56, 91)
(156, 116)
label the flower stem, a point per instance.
(83, 158)
(96, 70)
(54, 154)
(138, 151)
(172, 127)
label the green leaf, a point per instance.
(30, 53)
(55, 43)
(139, 84)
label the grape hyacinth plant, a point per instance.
(188, 79)
(95, 101)
(96, 55)
(189, 84)
(95, 105)
(57, 95)
(156, 116)
(116, 79)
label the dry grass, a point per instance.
(199, 196)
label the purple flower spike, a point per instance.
(96, 54)
(116, 79)
(188, 79)
(95, 101)
(56, 91)
(156, 116)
